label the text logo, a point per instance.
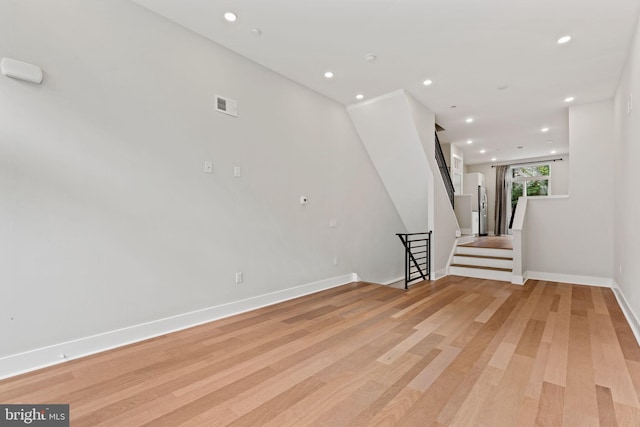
(34, 415)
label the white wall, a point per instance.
(446, 151)
(560, 172)
(398, 132)
(573, 236)
(559, 181)
(106, 217)
(626, 267)
(387, 130)
(444, 223)
(463, 209)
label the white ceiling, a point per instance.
(468, 48)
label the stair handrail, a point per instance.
(417, 258)
(444, 171)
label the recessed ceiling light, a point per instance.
(230, 16)
(544, 130)
(483, 151)
(564, 39)
(370, 57)
(469, 141)
(256, 32)
(469, 120)
(493, 159)
(328, 74)
(569, 99)
(553, 151)
(427, 82)
(359, 96)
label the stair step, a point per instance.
(483, 261)
(482, 267)
(485, 256)
(485, 252)
(499, 274)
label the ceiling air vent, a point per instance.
(226, 106)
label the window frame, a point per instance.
(525, 179)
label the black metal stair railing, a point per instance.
(417, 257)
(444, 170)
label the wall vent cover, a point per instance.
(226, 106)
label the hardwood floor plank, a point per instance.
(530, 340)
(551, 406)
(606, 409)
(271, 408)
(624, 334)
(468, 412)
(456, 352)
(503, 406)
(556, 371)
(395, 385)
(391, 414)
(580, 402)
(627, 415)
(427, 377)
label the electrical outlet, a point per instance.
(238, 277)
(236, 171)
(333, 223)
(335, 260)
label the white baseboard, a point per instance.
(519, 280)
(42, 357)
(439, 274)
(632, 318)
(603, 282)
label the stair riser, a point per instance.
(479, 273)
(469, 250)
(483, 262)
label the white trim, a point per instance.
(549, 197)
(603, 282)
(519, 280)
(51, 355)
(437, 275)
(632, 318)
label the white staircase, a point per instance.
(482, 263)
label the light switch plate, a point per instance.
(208, 167)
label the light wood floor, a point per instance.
(460, 351)
(495, 242)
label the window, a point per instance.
(529, 181)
